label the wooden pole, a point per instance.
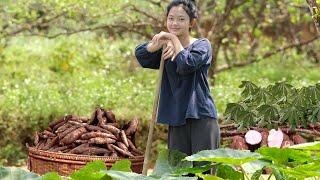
(153, 119)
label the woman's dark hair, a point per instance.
(188, 5)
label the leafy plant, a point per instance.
(297, 162)
(275, 105)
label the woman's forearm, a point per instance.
(176, 43)
(151, 47)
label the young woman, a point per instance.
(185, 102)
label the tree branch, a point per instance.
(266, 55)
(29, 26)
(144, 13)
(119, 26)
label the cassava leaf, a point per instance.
(234, 110)
(312, 93)
(302, 171)
(268, 112)
(300, 99)
(292, 115)
(224, 155)
(253, 166)
(227, 172)
(248, 118)
(285, 155)
(278, 175)
(92, 170)
(122, 165)
(261, 96)
(249, 89)
(256, 175)
(315, 116)
(169, 161)
(281, 89)
(193, 170)
(9, 173)
(122, 175)
(51, 176)
(208, 177)
(311, 146)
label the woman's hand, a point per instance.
(156, 43)
(169, 50)
(170, 43)
(174, 45)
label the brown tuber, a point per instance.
(90, 135)
(74, 135)
(132, 127)
(99, 135)
(101, 140)
(110, 116)
(297, 139)
(238, 142)
(264, 140)
(111, 128)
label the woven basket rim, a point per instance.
(77, 157)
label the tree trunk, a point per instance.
(314, 7)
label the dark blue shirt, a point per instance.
(184, 90)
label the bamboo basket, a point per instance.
(64, 164)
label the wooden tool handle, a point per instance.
(153, 119)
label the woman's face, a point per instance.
(178, 21)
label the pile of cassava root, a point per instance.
(99, 135)
(259, 137)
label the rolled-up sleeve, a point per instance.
(189, 60)
(148, 59)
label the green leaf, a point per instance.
(253, 166)
(310, 169)
(312, 92)
(262, 96)
(281, 89)
(300, 100)
(192, 170)
(315, 116)
(121, 175)
(311, 146)
(224, 155)
(122, 165)
(248, 118)
(169, 161)
(92, 170)
(234, 110)
(318, 86)
(228, 172)
(256, 175)
(278, 174)
(172, 177)
(302, 171)
(268, 112)
(292, 114)
(285, 156)
(208, 177)
(51, 176)
(10, 173)
(249, 89)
